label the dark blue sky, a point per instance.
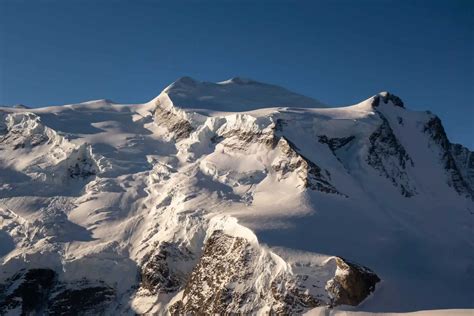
(340, 52)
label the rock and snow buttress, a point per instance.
(232, 197)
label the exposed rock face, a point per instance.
(240, 140)
(92, 300)
(352, 283)
(32, 293)
(390, 158)
(160, 273)
(291, 161)
(38, 292)
(464, 159)
(290, 298)
(243, 131)
(225, 262)
(448, 152)
(385, 97)
(223, 282)
(178, 126)
(335, 143)
(312, 175)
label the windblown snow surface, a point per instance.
(235, 196)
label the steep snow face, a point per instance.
(159, 207)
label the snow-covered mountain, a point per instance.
(235, 196)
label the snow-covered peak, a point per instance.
(234, 95)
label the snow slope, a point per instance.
(233, 95)
(203, 195)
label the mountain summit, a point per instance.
(203, 202)
(234, 95)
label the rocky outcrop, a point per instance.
(38, 292)
(447, 152)
(210, 287)
(390, 158)
(160, 273)
(223, 282)
(31, 293)
(312, 176)
(241, 140)
(335, 143)
(464, 159)
(242, 132)
(290, 298)
(387, 97)
(179, 127)
(351, 284)
(89, 300)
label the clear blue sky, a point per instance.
(340, 52)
